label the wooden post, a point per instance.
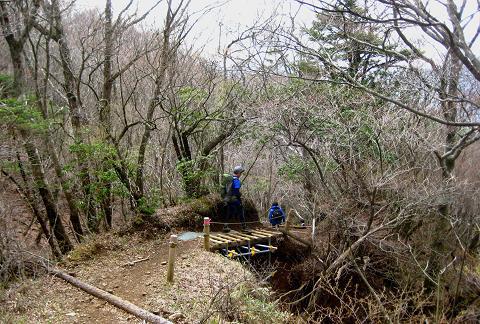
(206, 233)
(313, 231)
(171, 257)
(288, 221)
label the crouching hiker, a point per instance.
(276, 215)
(233, 208)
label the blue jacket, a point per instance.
(276, 220)
(236, 184)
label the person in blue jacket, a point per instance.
(276, 214)
(234, 201)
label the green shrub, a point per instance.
(6, 86)
(254, 305)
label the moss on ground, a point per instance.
(94, 246)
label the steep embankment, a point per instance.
(189, 215)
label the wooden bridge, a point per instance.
(234, 243)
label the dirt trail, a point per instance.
(198, 278)
(110, 272)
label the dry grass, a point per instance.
(207, 287)
(95, 245)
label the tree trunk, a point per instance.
(29, 196)
(18, 74)
(74, 212)
(53, 218)
(105, 110)
(159, 84)
(42, 106)
(439, 248)
(107, 204)
(76, 116)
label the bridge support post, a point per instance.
(171, 257)
(288, 221)
(206, 233)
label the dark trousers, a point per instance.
(276, 220)
(234, 210)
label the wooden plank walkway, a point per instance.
(235, 238)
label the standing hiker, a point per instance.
(232, 198)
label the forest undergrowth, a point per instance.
(349, 121)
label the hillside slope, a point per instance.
(207, 286)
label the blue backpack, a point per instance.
(277, 213)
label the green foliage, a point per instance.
(253, 305)
(104, 181)
(188, 170)
(308, 67)
(21, 113)
(188, 111)
(259, 184)
(230, 89)
(368, 143)
(359, 51)
(9, 166)
(6, 86)
(295, 167)
(96, 151)
(192, 95)
(148, 204)
(146, 207)
(342, 119)
(293, 86)
(192, 176)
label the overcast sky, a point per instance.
(226, 18)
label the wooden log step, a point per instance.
(245, 236)
(268, 232)
(214, 241)
(250, 236)
(228, 237)
(241, 237)
(234, 239)
(263, 233)
(218, 238)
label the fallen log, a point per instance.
(112, 299)
(295, 237)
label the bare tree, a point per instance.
(337, 86)
(112, 32)
(455, 109)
